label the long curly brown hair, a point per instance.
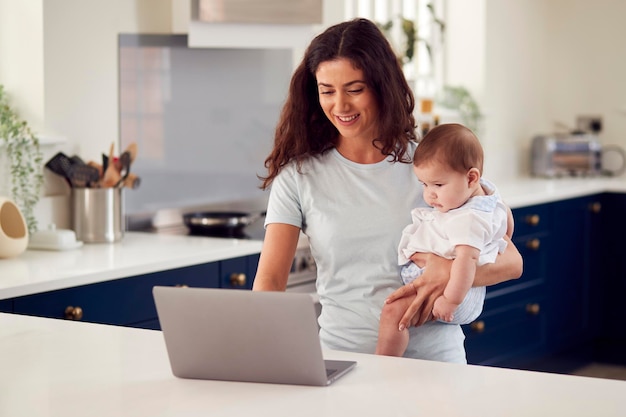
(303, 130)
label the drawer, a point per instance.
(505, 332)
(535, 250)
(122, 302)
(531, 219)
(238, 273)
(6, 306)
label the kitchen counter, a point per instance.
(529, 191)
(61, 368)
(141, 253)
(36, 271)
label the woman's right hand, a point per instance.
(424, 290)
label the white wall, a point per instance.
(534, 65)
(530, 63)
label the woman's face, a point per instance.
(347, 100)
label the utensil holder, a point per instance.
(97, 214)
(13, 229)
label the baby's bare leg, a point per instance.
(391, 341)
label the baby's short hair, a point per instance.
(451, 144)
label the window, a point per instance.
(425, 70)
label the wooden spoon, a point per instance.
(111, 174)
(132, 150)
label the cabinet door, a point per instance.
(6, 306)
(612, 280)
(123, 302)
(569, 272)
(511, 329)
(238, 273)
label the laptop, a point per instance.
(246, 336)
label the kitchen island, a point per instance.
(60, 368)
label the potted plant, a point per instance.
(24, 156)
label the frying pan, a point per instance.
(219, 223)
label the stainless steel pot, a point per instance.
(219, 223)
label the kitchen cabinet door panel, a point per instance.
(6, 306)
(120, 302)
(505, 334)
(238, 273)
(568, 272)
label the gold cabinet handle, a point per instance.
(596, 207)
(73, 313)
(532, 219)
(533, 244)
(238, 279)
(182, 286)
(478, 326)
(533, 308)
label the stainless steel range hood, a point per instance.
(256, 11)
(253, 23)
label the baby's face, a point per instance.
(444, 188)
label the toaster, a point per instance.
(560, 155)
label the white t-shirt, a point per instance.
(353, 215)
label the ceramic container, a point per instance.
(13, 229)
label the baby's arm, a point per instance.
(461, 280)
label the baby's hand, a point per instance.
(444, 309)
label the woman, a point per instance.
(341, 172)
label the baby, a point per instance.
(466, 222)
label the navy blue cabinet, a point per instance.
(610, 272)
(571, 271)
(512, 326)
(553, 306)
(128, 301)
(6, 306)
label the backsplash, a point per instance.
(203, 119)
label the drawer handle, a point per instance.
(478, 326)
(182, 286)
(533, 244)
(238, 279)
(532, 219)
(533, 308)
(595, 207)
(73, 313)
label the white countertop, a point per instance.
(60, 368)
(37, 271)
(529, 191)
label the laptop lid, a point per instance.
(238, 335)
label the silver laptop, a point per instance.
(238, 335)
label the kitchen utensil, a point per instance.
(111, 175)
(132, 150)
(84, 175)
(123, 166)
(132, 181)
(60, 164)
(97, 214)
(219, 223)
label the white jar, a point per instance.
(13, 229)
